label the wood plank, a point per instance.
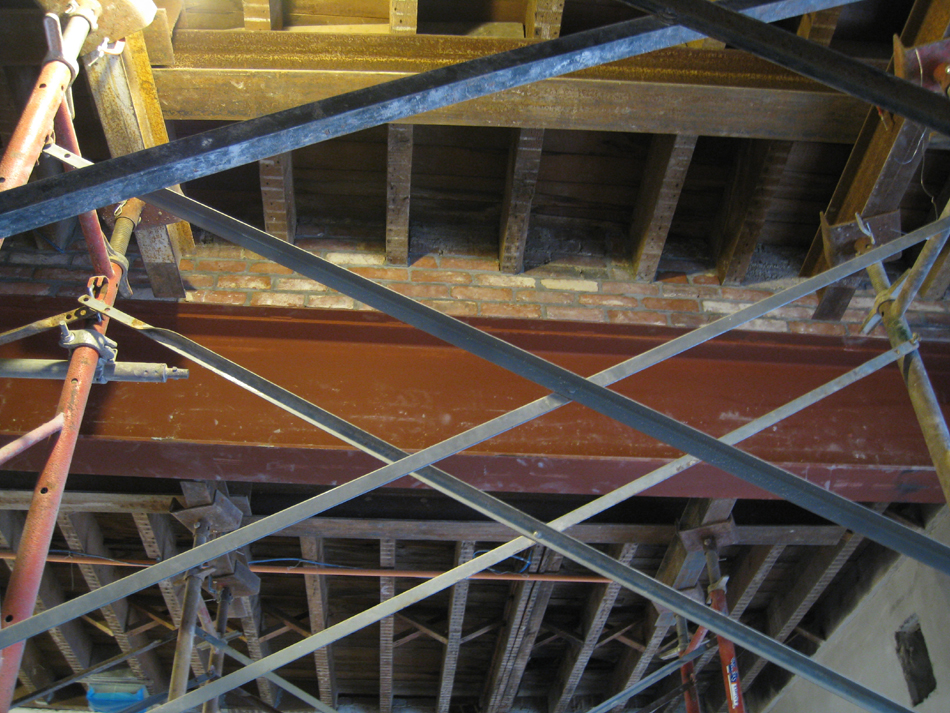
(219, 75)
(387, 589)
(311, 548)
(457, 601)
(277, 191)
(524, 614)
(403, 16)
(679, 569)
(542, 19)
(263, 15)
(751, 188)
(596, 610)
(124, 93)
(667, 162)
(424, 628)
(524, 163)
(70, 639)
(819, 26)
(252, 623)
(398, 189)
(880, 169)
(83, 534)
(156, 531)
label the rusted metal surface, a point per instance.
(862, 442)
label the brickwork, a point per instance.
(599, 290)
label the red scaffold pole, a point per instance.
(727, 649)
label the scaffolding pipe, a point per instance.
(49, 94)
(178, 684)
(16, 447)
(217, 661)
(687, 671)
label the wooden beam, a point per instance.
(879, 170)
(124, 92)
(263, 15)
(82, 534)
(423, 628)
(252, 623)
(524, 162)
(542, 19)
(158, 536)
(523, 616)
(668, 160)
(258, 73)
(387, 589)
(158, 35)
(398, 187)
(311, 548)
(751, 188)
(34, 673)
(277, 191)
(457, 601)
(594, 618)
(819, 26)
(679, 569)
(404, 16)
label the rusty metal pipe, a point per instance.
(28, 439)
(88, 221)
(727, 649)
(178, 683)
(687, 672)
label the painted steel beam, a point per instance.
(45, 202)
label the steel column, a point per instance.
(221, 629)
(214, 151)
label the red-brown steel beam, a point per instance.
(862, 442)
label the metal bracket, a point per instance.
(889, 295)
(105, 347)
(125, 289)
(222, 515)
(723, 532)
(42, 325)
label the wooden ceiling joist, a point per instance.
(542, 19)
(404, 16)
(450, 653)
(263, 15)
(83, 534)
(277, 191)
(593, 619)
(524, 613)
(387, 589)
(398, 189)
(311, 548)
(524, 163)
(668, 160)
(124, 92)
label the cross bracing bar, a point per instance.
(274, 523)
(566, 383)
(603, 502)
(44, 202)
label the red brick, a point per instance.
(9, 271)
(831, 329)
(483, 294)
(671, 304)
(219, 250)
(575, 314)
(448, 277)
(468, 263)
(609, 301)
(672, 277)
(704, 280)
(198, 282)
(737, 293)
(301, 284)
(24, 288)
(560, 298)
(690, 319)
(219, 298)
(457, 308)
(183, 265)
(277, 299)
(692, 292)
(269, 268)
(382, 273)
(807, 301)
(426, 262)
(330, 302)
(221, 266)
(609, 287)
(420, 291)
(490, 309)
(634, 317)
(244, 282)
(789, 312)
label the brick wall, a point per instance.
(589, 289)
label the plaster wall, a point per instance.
(863, 646)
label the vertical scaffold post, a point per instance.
(727, 649)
